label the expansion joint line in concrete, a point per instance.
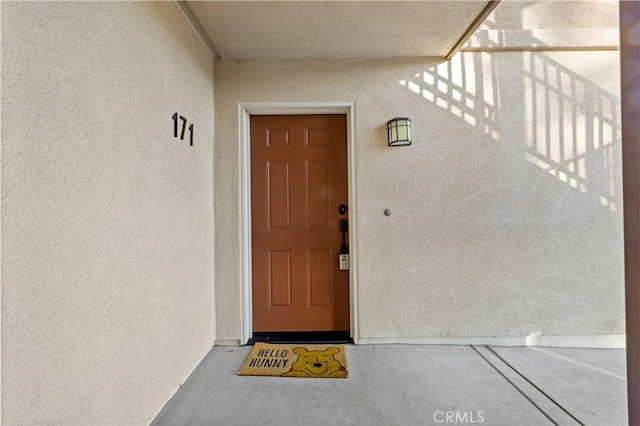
(535, 386)
(513, 384)
(495, 364)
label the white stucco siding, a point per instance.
(107, 219)
(506, 217)
(566, 25)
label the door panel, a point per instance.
(298, 180)
(279, 195)
(319, 265)
(280, 278)
(318, 206)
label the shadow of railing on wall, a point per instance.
(460, 87)
(571, 126)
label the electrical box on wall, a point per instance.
(344, 262)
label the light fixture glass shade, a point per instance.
(399, 131)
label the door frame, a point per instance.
(245, 111)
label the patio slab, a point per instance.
(399, 384)
(588, 383)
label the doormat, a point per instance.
(297, 360)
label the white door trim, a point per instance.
(245, 110)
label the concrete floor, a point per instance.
(414, 384)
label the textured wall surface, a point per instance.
(506, 209)
(567, 24)
(107, 220)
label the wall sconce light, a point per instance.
(399, 131)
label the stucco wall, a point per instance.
(549, 25)
(506, 209)
(107, 219)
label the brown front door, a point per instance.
(298, 182)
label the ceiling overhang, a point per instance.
(335, 29)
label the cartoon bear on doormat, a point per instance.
(316, 364)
